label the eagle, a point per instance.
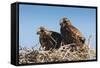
(49, 39)
(70, 33)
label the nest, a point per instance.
(64, 53)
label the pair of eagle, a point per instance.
(68, 34)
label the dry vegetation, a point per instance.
(64, 53)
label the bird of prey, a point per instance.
(49, 39)
(70, 33)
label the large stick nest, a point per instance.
(64, 53)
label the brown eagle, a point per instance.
(70, 33)
(49, 39)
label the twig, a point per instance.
(89, 39)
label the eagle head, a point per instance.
(65, 22)
(42, 31)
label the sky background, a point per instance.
(31, 17)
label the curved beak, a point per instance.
(60, 24)
(38, 32)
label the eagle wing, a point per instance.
(75, 31)
(77, 34)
